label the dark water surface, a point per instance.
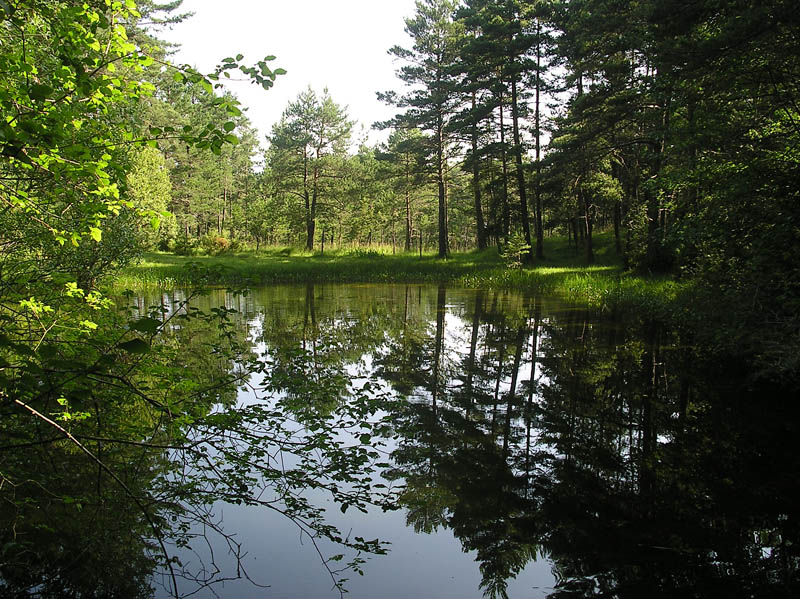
(512, 446)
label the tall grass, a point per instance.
(603, 285)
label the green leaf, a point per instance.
(229, 126)
(146, 325)
(6, 10)
(135, 346)
(40, 92)
(96, 234)
(88, 325)
(47, 352)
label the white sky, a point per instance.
(341, 44)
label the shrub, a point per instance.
(213, 244)
(516, 248)
(185, 246)
(362, 253)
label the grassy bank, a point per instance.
(602, 285)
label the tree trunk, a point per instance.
(586, 204)
(473, 344)
(500, 361)
(520, 340)
(436, 383)
(537, 125)
(306, 197)
(523, 196)
(654, 229)
(311, 225)
(531, 389)
(444, 249)
(504, 163)
(617, 215)
(409, 224)
(476, 183)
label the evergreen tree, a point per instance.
(312, 134)
(503, 44)
(431, 103)
(404, 154)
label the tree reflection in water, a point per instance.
(637, 464)
(628, 459)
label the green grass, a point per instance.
(602, 285)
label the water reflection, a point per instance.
(630, 461)
(67, 532)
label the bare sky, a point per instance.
(338, 44)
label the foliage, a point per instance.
(100, 411)
(307, 146)
(674, 127)
(150, 190)
(430, 102)
(515, 250)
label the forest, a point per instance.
(675, 128)
(669, 128)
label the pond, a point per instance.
(446, 443)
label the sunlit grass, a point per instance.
(603, 285)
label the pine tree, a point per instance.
(431, 103)
(312, 132)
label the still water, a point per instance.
(413, 345)
(452, 443)
(538, 450)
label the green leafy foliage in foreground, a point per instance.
(136, 432)
(100, 413)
